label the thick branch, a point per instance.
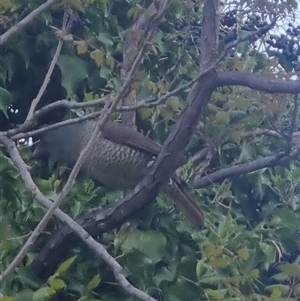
(237, 170)
(257, 82)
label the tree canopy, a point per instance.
(217, 80)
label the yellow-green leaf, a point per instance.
(211, 250)
(238, 64)
(66, 265)
(243, 253)
(254, 273)
(56, 283)
(214, 294)
(5, 298)
(223, 117)
(6, 4)
(111, 62)
(237, 135)
(81, 47)
(276, 293)
(44, 293)
(98, 57)
(220, 262)
(145, 113)
(94, 282)
(77, 4)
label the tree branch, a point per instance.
(257, 82)
(237, 170)
(18, 27)
(85, 237)
(65, 30)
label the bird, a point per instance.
(119, 159)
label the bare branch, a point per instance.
(135, 36)
(18, 27)
(244, 168)
(257, 82)
(57, 104)
(65, 31)
(55, 126)
(46, 80)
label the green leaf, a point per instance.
(254, 273)
(65, 265)
(94, 282)
(74, 71)
(106, 39)
(81, 46)
(243, 253)
(5, 298)
(223, 117)
(27, 277)
(286, 218)
(202, 268)
(57, 284)
(77, 5)
(237, 136)
(43, 294)
(5, 100)
(215, 294)
(220, 262)
(6, 4)
(269, 251)
(276, 293)
(151, 243)
(290, 269)
(97, 56)
(212, 250)
(145, 113)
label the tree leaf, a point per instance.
(65, 265)
(152, 243)
(5, 100)
(74, 71)
(94, 282)
(97, 56)
(56, 283)
(243, 253)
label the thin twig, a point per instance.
(46, 81)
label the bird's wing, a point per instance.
(123, 134)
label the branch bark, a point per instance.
(23, 23)
(237, 170)
(143, 30)
(257, 82)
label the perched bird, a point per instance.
(119, 159)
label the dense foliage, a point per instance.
(250, 248)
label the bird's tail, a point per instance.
(177, 191)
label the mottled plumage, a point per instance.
(118, 159)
